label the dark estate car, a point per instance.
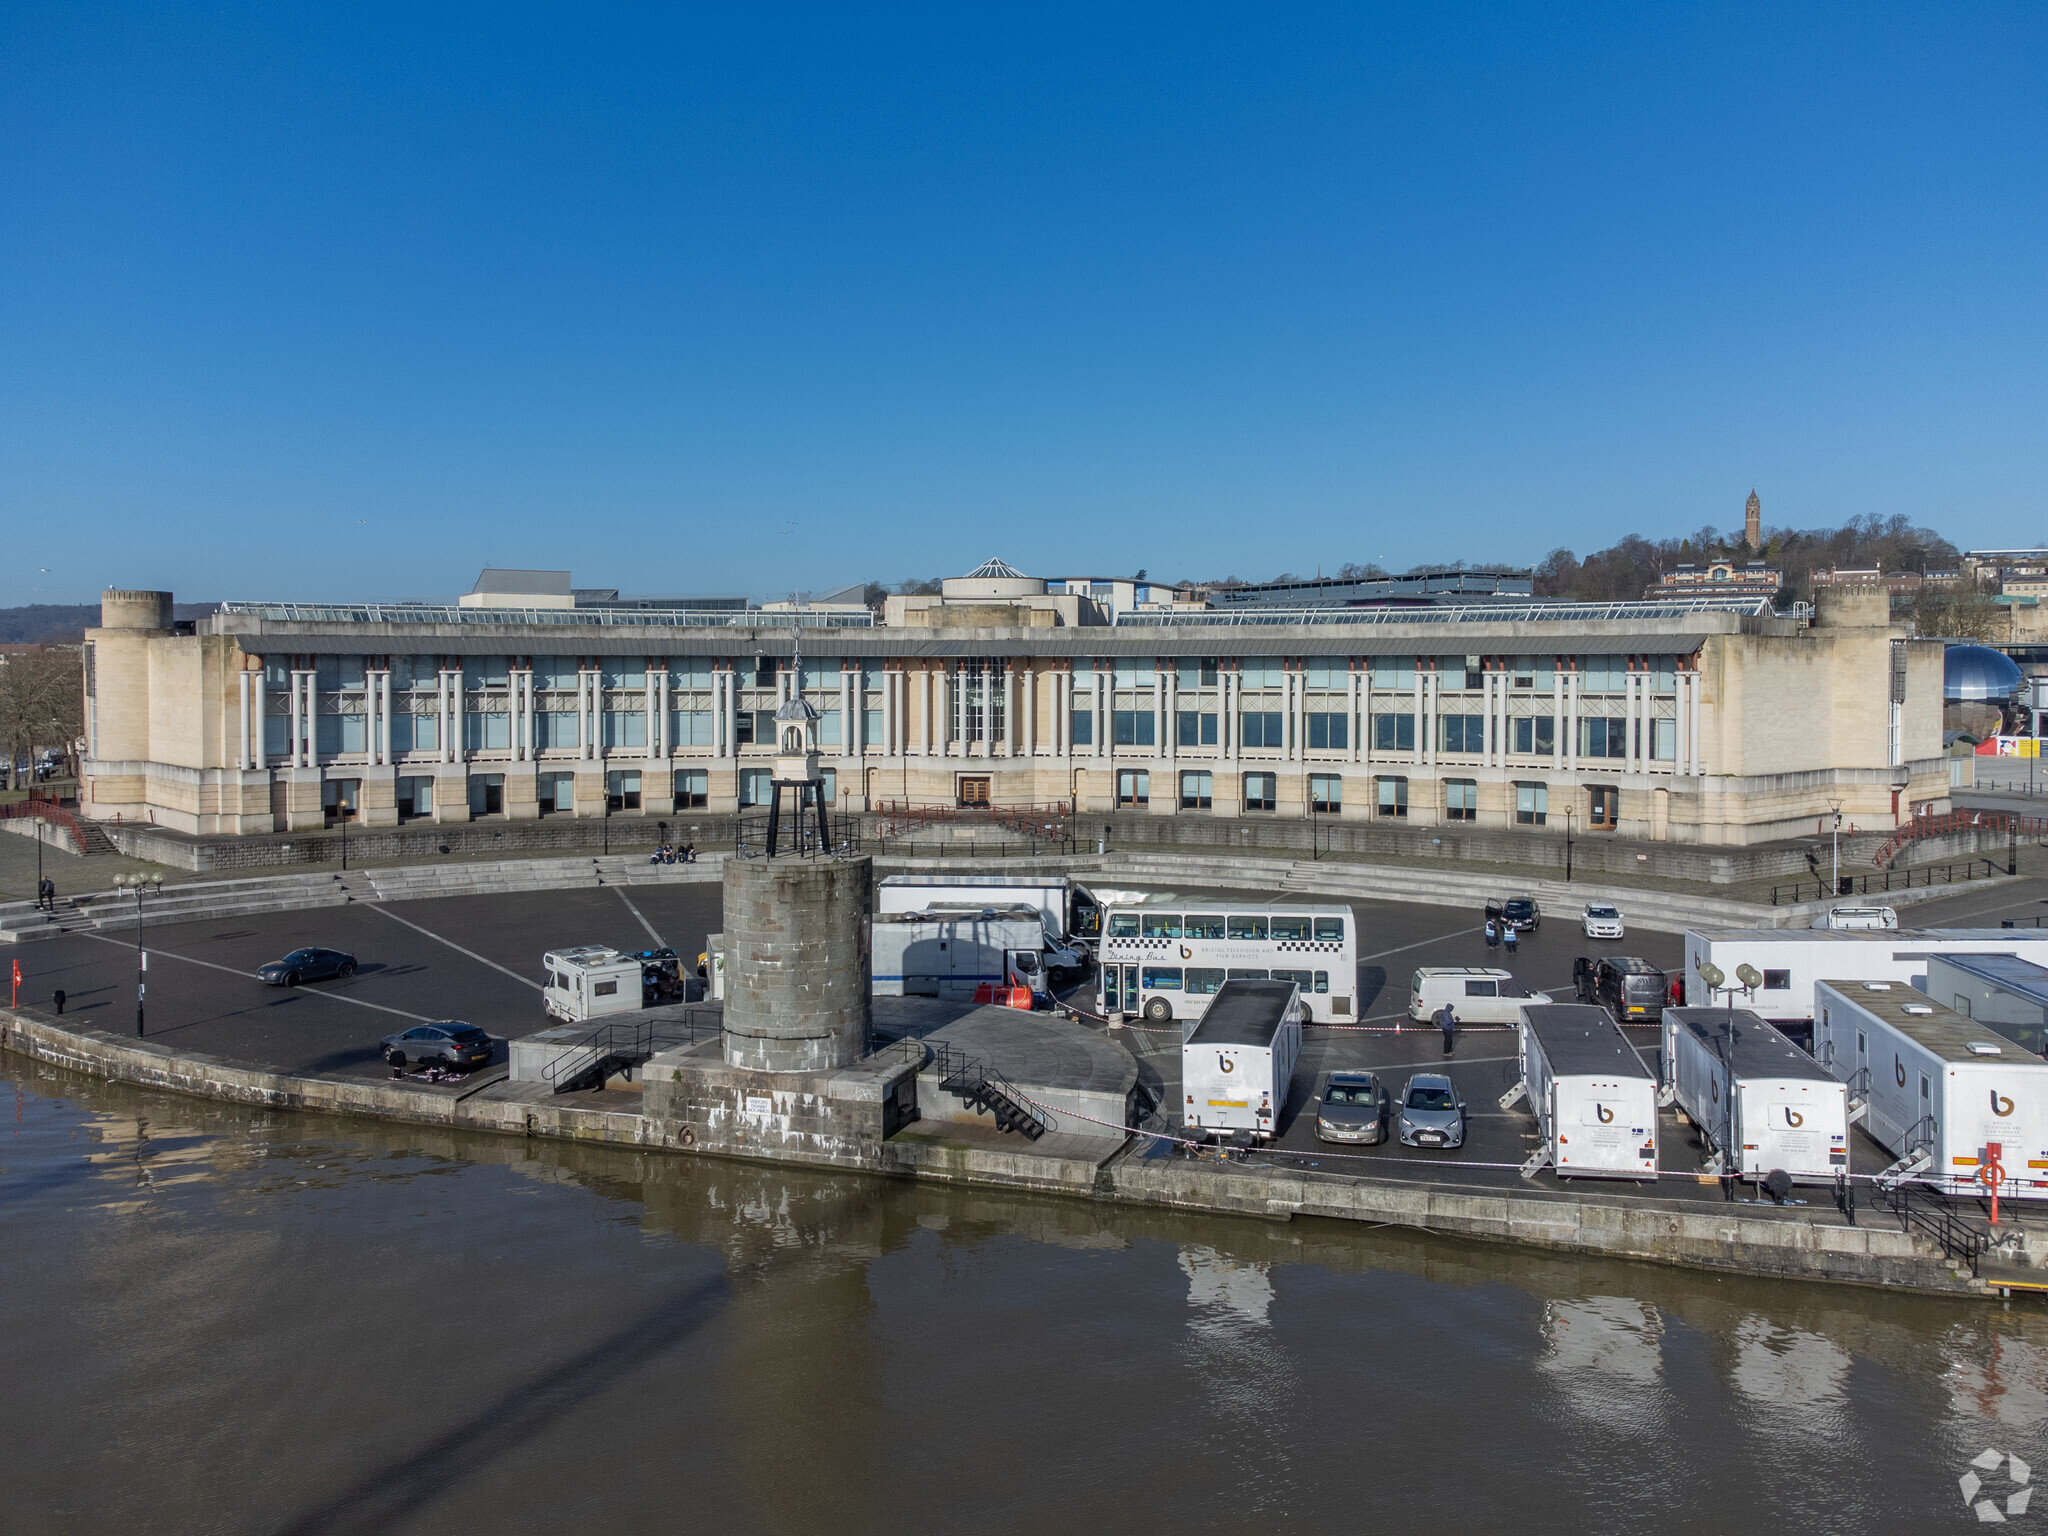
(450, 1043)
(306, 965)
(1353, 1108)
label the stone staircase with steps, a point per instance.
(111, 910)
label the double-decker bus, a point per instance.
(1166, 956)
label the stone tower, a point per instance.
(1753, 521)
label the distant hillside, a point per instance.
(66, 623)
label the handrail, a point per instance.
(951, 1063)
(1907, 879)
(1438, 614)
(1958, 1237)
(597, 617)
(50, 810)
(1958, 821)
(640, 1038)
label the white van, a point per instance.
(1858, 919)
(1477, 994)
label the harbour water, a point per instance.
(227, 1320)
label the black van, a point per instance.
(1627, 986)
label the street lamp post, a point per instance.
(1835, 889)
(41, 822)
(1568, 811)
(140, 884)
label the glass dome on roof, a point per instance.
(1973, 672)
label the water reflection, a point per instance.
(1777, 1367)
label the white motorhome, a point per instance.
(948, 951)
(1478, 994)
(1595, 1101)
(590, 981)
(1237, 1060)
(1942, 1089)
(1760, 1101)
(1073, 916)
(1788, 961)
(1167, 957)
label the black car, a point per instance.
(1521, 914)
(306, 965)
(450, 1043)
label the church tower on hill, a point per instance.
(1753, 521)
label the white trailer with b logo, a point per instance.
(1237, 1060)
(1942, 1090)
(1595, 1101)
(1760, 1101)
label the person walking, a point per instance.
(1447, 1021)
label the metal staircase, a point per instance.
(607, 1049)
(1919, 1154)
(981, 1087)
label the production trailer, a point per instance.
(1595, 1101)
(590, 981)
(1071, 916)
(1237, 1060)
(949, 951)
(1942, 1090)
(1760, 1101)
(1788, 961)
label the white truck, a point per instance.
(1071, 917)
(949, 951)
(1942, 1090)
(1788, 961)
(590, 981)
(1237, 1060)
(1760, 1101)
(1595, 1100)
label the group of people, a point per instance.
(1499, 932)
(668, 853)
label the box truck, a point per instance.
(1760, 1101)
(1237, 1060)
(1788, 961)
(1943, 1091)
(950, 951)
(1595, 1101)
(1071, 915)
(590, 981)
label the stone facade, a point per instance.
(1678, 722)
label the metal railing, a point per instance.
(982, 1087)
(634, 618)
(1949, 822)
(1888, 880)
(598, 1051)
(1442, 614)
(1961, 1240)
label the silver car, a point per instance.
(1432, 1114)
(1354, 1107)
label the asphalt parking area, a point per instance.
(474, 958)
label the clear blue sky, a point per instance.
(346, 301)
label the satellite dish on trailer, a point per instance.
(1712, 975)
(1749, 975)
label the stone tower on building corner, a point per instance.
(1753, 521)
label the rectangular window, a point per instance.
(1393, 733)
(756, 785)
(1261, 791)
(691, 728)
(487, 672)
(1461, 799)
(1329, 732)
(1532, 804)
(487, 794)
(1246, 927)
(1781, 981)
(828, 728)
(1247, 975)
(1082, 728)
(1295, 929)
(415, 797)
(1135, 727)
(1393, 796)
(1664, 740)
(625, 728)
(1133, 787)
(689, 671)
(326, 734)
(556, 793)
(1533, 672)
(486, 732)
(1664, 674)
(277, 735)
(1195, 791)
(1136, 674)
(1603, 738)
(743, 727)
(1197, 729)
(1394, 672)
(1160, 978)
(1159, 925)
(828, 785)
(1204, 981)
(557, 728)
(1604, 808)
(1603, 674)
(1329, 930)
(277, 672)
(355, 733)
(622, 791)
(1203, 925)
(1197, 672)
(1263, 728)
(693, 788)
(764, 727)
(1327, 672)
(972, 791)
(1261, 672)
(1325, 793)
(1536, 735)
(764, 672)
(871, 727)
(1464, 733)
(548, 672)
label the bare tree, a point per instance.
(41, 703)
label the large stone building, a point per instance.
(1697, 721)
